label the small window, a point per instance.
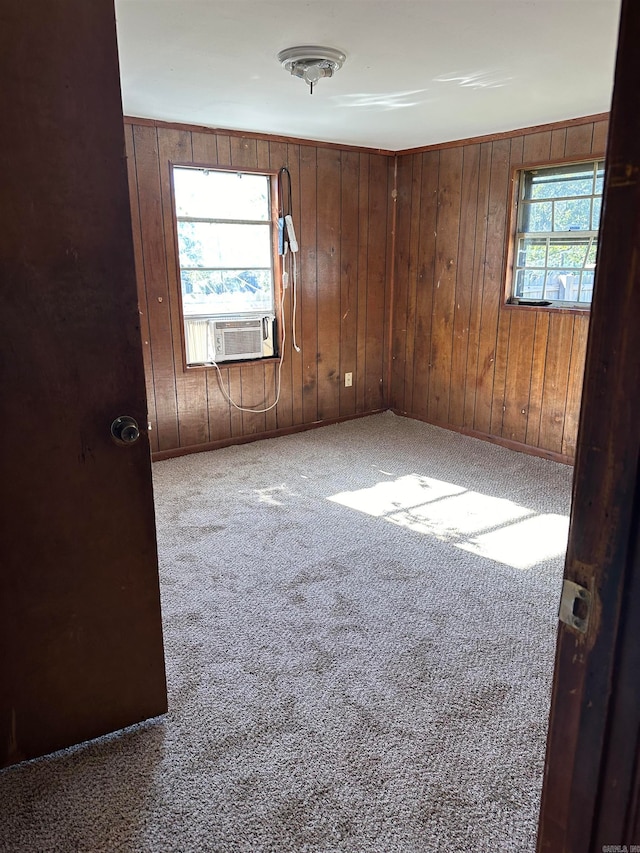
(226, 260)
(558, 215)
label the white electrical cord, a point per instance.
(293, 247)
(279, 383)
(295, 301)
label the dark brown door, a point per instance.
(80, 633)
(591, 794)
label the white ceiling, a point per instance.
(417, 71)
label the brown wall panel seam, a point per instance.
(392, 281)
(144, 283)
(412, 273)
(473, 266)
(366, 322)
(433, 290)
(455, 286)
(533, 352)
(564, 418)
(484, 273)
(166, 278)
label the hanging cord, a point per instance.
(279, 382)
(288, 244)
(295, 301)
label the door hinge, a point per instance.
(575, 606)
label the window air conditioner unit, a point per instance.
(242, 338)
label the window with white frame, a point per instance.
(226, 260)
(557, 220)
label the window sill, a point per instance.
(224, 365)
(550, 309)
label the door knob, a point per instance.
(125, 430)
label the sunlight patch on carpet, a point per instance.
(491, 527)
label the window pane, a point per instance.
(529, 284)
(532, 252)
(226, 291)
(537, 216)
(600, 179)
(586, 291)
(597, 210)
(563, 285)
(561, 181)
(220, 195)
(591, 257)
(211, 244)
(568, 253)
(574, 215)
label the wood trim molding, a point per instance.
(507, 134)
(493, 439)
(161, 455)
(246, 134)
(294, 140)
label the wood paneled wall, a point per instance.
(460, 358)
(341, 199)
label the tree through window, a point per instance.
(558, 215)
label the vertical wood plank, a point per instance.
(329, 225)
(223, 145)
(142, 293)
(391, 228)
(574, 393)
(404, 217)
(244, 152)
(377, 281)
(599, 141)
(233, 381)
(309, 275)
(554, 394)
(414, 242)
(219, 408)
(537, 147)
(464, 282)
(419, 371)
(519, 375)
(498, 405)
(349, 278)
(538, 369)
(558, 141)
(477, 287)
(579, 140)
(444, 293)
(363, 271)
(253, 396)
(156, 285)
(500, 372)
(205, 148)
(493, 282)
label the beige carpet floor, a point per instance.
(359, 630)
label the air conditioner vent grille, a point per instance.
(238, 341)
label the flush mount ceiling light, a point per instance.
(311, 62)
